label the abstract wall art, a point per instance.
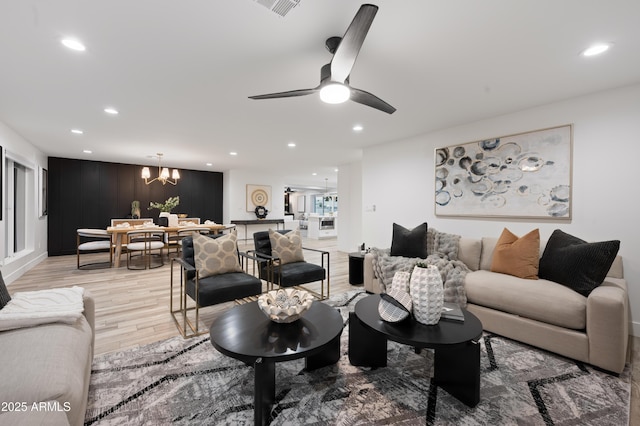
(526, 175)
(258, 195)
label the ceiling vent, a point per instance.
(281, 7)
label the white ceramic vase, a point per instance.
(427, 294)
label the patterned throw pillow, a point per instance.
(216, 256)
(515, 256)
(287, 247)
(4, 293)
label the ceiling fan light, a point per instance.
(335, 93)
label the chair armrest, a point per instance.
(260, 257)
(316, 250)
(185, 265)
(251, 254)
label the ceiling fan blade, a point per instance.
(289, 94)
(348, 49)
(366, 98)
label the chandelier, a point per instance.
(163, 174)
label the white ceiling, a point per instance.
(180, 73)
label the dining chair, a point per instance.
(91, 241)
(149, 244)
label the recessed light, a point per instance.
(77, 131)
(233, 153)
(111, 111)
(335, 170)
(209, 164)
(314, 174)
(291, 145)
(596, 49)
(73, 44)
(87, 151)
(357, 128)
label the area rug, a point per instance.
(188, 382)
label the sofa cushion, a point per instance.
(409, 242)
(48, 363)
(216, 256)
(540, 300)
(575, 263)
(517, 256)
(469, 250)
(286, 247)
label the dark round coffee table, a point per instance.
(245, 333)
(456, 345)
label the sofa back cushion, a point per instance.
(469, 250)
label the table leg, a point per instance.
(116, 261)
(330, 355)
(366, 348)
(264, 390)
(457, 370)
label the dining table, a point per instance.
(120, 233)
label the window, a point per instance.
(19, 189)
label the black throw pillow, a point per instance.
(4, 293)
(575, 263)
(409, 242)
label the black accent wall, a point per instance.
(88, 194)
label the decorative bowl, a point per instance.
(285, 305)
(182, 215)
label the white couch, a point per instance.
(45, 371)
(543, 313)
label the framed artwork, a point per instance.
(258, 195)
(526, 175)
(301, 201)
(44, 194)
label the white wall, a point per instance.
(36, 227)
(234, 199)
(397, 178)
(349, 206)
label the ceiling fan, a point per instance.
(334, 77)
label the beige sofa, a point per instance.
(45, 371)
(543, 313)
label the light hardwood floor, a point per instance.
(132, 307)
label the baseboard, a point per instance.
(22, 269)
(635, 328)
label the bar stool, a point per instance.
(93, 240)
(145, 242)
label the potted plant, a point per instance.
(165, 209)
(167, 206)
